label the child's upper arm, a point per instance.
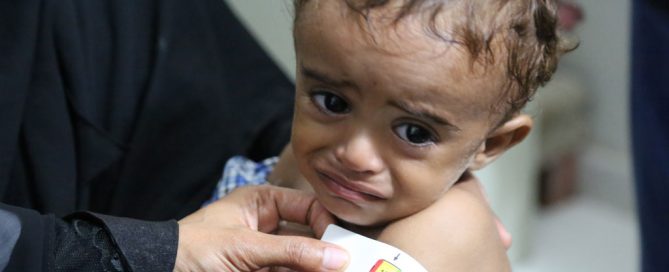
(457, 233)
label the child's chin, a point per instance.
(349, 213)
(358, 219)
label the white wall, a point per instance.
(603, 60)
(271, 23)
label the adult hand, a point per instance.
(234, 233)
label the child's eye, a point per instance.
(330, 103)
(414, 134)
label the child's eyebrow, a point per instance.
(422, 113)
(322, 77)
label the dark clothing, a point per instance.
(127, 108)
(650, 128)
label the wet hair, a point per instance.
(524, 30)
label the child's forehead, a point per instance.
(377, 28)
(430, 30)
(376, 18)
(406, 39)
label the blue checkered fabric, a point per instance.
(240, 171)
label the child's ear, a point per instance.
(501, 139)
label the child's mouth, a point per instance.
(346, 191)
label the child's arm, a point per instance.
(457, 233)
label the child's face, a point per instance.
(382, 129)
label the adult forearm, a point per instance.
(82, 245)
(84, 242)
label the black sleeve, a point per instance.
(124, 107)
(660, 4)
(84, 242)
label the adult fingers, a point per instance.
(293, 206)
(506, 237)
(299, 253)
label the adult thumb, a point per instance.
(300, 253)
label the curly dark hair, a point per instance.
(525, 30)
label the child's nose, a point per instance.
(359, 154)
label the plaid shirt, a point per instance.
(240, 171)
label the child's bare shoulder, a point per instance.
(456, 233)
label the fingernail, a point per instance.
(334, 258)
